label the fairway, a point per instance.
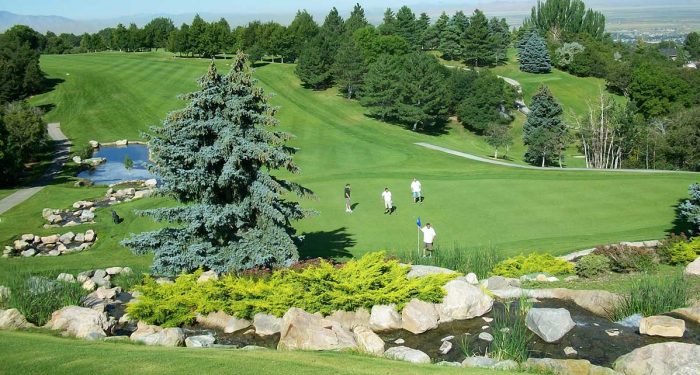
(110, 96)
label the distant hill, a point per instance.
(43, 24)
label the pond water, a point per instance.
(114, 169)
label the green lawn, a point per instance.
(5, 192)
(33, 353)
(469, 203)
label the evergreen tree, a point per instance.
(432, 36)
(120, 38)
(381, 89)
(422, 26)
(450, 43)
(302, 29)
(460, 20)
(407, 27)
(424, 97)
(215, 157)
(487, 100)
(388, 26)
(316, 63)
(198, 36)
(499, 39)
(692, 45)
(478, 50)
(349, 68)
(534, 57)
(356, 21)
(158, 31)
(544, 132)
(334, 29)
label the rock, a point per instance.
(448, 364)
(552, 279)
(663, 358)
(67, 238)
(368, 341)
(80, 322)
(566, 367)
(693, 268)
(445, 347)
(113, 270)
(13, 319)
(660, 325)
(91, 301)
(202, 341)
(46, 212)
(631, 321)
(463, 301)
(81, 278)
(549, 324)
(399, 341)
(384, 318)
(223, 321)
(447, 338)
(50, 239)
(103, 282)
(89, 235)
(253, 347)
(27, 237)
(121, 142)
(87, 216)
(100, 274)
(151, 182)
(690, 313)
(303, 331)
(80, 238)
(66, 277)
(478, 362)
(28, 253)
(126, 271)
(500, 282)
(471, 278)
(54, 253)
(89, 285)
(266, 324)
(402, 353)
(94, 144)
(350, 319)
(206, 276)
(418, 316)
(541, 278)
(507, 365)
(154, 335)
(486, 336)
(571, 278)
(143, 194)
(105, 293)
(422, 271)
(54, 219)
(77, 159)
(612, 332)
(20, 245)
(487, 319)
(569, 351)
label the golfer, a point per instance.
(416, 191)
(428, 239)
(348, 205)
(388, 204)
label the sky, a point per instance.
(101, 9)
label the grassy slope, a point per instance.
(31, 353)
(469, 203)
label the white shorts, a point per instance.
(388, 204)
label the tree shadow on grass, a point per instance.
(326, 244)
(49, 84)
(680, 225)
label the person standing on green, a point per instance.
(348, 205)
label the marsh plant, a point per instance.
(37, 296)
(652, 295)
(479, 260)
(510, 334)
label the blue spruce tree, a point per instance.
(533, 55)
(214, 157)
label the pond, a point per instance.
(114, 169)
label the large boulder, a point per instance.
(549, 324)
(690, 313)
(693, 268)
(566, 367)
(350, 319)
(50, 239)
(223, 321)
(599, 302)
(384, 318)
(155, 335)
(402, 353)
(13, 319)
(266, 324)
(500, 282)
(663, 358)
(418, 316)
(660, 325)
(422, 271)
(368, 341)
(463, 301)
(478, 362)
(303, 331)
(202, 341)
(80, 322)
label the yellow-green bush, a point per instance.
(365, 282)
(677, 250)
(532, 263)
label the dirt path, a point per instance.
(62, 148)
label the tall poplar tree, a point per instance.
(544, 132)
(214, 157)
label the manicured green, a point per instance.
(469, 203)
(32, 353)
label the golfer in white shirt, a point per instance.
(388, 204)
(416, 190)
(428, 238)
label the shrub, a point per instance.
(592, 265)
(365, 282)
(629, 259)
(652, 295)
(532, 263)
(677, 250)
(478, 260)
(85, 151)
(37, 296)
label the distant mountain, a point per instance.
(43, 24)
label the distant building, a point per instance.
(669, 53)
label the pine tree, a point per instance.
(534, 57)
(544, 132)
(422, 26)
(356, 21)
(381, 89)
(424, 96)
(198, 36)
(388, 26)
(499, 40)
(406, 27)
(214, 157)
(450, 43)
(349, 68)
(302, 29)
(315, 64)
(460, 20)
(432, 36)
(333, 29)
(478, 49)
